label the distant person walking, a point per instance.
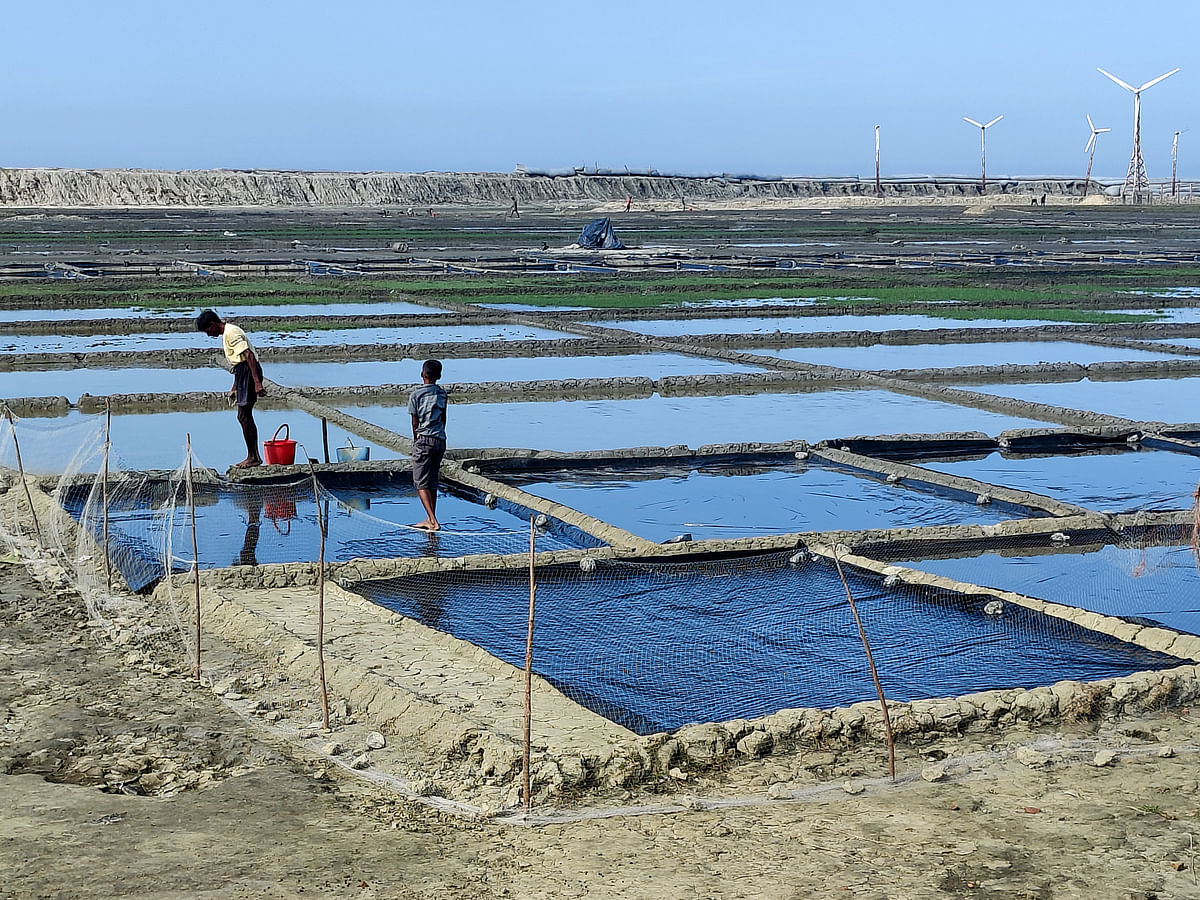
(628, 202)
(427, 406)
(513, 211)
(247, 378)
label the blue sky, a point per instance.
(754, 87)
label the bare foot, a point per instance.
(426, 525)
(247, 463)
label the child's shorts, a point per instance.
(427, 459)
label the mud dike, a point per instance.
(692, 597)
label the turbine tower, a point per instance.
(878, 186)
(983, 148)
(1090, 150)
(1136, 182)
(1174, 160)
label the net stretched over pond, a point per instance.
(651, 645)
(654, 646)
(241, 524)
(86, 499)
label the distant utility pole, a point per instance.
(1136, 182)
(1174, 159)
(983, 148)
(878, 186)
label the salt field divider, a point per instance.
(1059, 372)
(955, 486)
(196, 357)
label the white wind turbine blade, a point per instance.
(1158, 79)
(973, 122)
(1091, 124)
(1127, 87)
(993, 122)
(1102, 130)
(1090, 144)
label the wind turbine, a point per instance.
(983, 148)
(1136, 182)
(1090, 150)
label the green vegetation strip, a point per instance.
(959, 295)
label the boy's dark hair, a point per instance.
(431, 369)
(206, 320)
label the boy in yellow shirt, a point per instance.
(247, 378)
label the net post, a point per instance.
(525, 792)
(104, 489)
(21, 471)
(191, 495)
(325, 437)
(1196, 524)
(322, 523)
(862, 633)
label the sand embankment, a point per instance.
(107, 188)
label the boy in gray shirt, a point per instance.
(427, 406)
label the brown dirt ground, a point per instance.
(241, 815)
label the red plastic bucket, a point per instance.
(279, 451)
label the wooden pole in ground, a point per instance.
(862, 633)
(1196, 524)
(21, 471)
(321, 522)
(191, 496)
(525, 792)
(104, 490)
(325, 437)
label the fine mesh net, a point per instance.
(655, 646)
(650, 645)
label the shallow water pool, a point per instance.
(1142, 400)
(810, 324)
(248, 525)
(1114, 481)
(70, 383)
(989, 353)
(732, 501)
(266, 339)
(1159, 584)
(658, 421)
(142, 441)
(512, 369)
(654, 647)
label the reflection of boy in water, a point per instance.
(250, 501)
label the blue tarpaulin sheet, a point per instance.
(599, 235)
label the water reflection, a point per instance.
(250, 502)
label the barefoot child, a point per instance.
(247, 378)
(427, 406)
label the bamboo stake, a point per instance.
(21, 471)
(1196, 525)
(104, 530)
(322, 521)
(527, 797)
(195, 552)
(887, 720)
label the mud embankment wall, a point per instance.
(42, 188)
